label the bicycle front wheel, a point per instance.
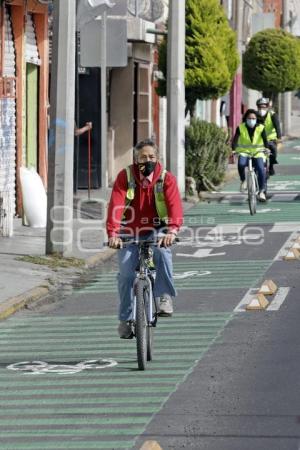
(266, 182)
(149, 333)
(142, 291)
(251, 185)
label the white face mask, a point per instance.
(251, 122)
(262, 112)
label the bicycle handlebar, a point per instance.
(266, 151)
(145, 241)
(129, 240)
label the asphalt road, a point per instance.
(223, 378)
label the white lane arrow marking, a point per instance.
(260, 211)
(284, 227)
(201, 253)
(282, 185)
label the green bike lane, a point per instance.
(110, 407)
(237, 211)
(104, 408)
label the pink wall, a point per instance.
(236, 103)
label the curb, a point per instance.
(14, 304)
(94, 260)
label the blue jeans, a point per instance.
(259, 166)
(128, 261)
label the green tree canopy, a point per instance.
(211, 58)
(271, 62)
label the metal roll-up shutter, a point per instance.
(32, 83)
(7, 133)
(31, 52)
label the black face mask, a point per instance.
(147, 167)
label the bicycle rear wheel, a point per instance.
(141, 325)
(251, 185)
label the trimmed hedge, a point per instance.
(206, 154)
(271, 62)
(211, 57)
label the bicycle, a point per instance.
(145, 306)
(252, 181)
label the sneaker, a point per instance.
(262, 197)
(165, 305)
(243, 186)
(125, 330)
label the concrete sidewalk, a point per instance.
(26, 274)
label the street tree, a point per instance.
(211, 56)
(271, 62)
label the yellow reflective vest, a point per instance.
(270, 129)
(160, 203)
(246, 147)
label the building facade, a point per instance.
(133, 108)
(275, 7)
(24, 73)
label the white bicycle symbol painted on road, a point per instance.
(190, 274)
(41, 367)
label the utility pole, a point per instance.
(104, 174)
(61, 139)
(286, 101)
(176, 92)
(236, 90)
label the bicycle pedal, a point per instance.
(164, 314)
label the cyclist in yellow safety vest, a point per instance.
(270, 120)
(250, 137)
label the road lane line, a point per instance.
(279, 298)
(284, 249)
(282, 227)
(241, 307)
(274, 305)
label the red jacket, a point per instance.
(145, 216)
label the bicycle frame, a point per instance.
(252, 187)
(145, 273)
(252, 181)
(252, 171)
(250, 161)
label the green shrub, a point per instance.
(206, 154)
(271, 62)
(211, 57)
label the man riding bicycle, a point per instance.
(270, 120)
(248, 139)
(145, 203)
